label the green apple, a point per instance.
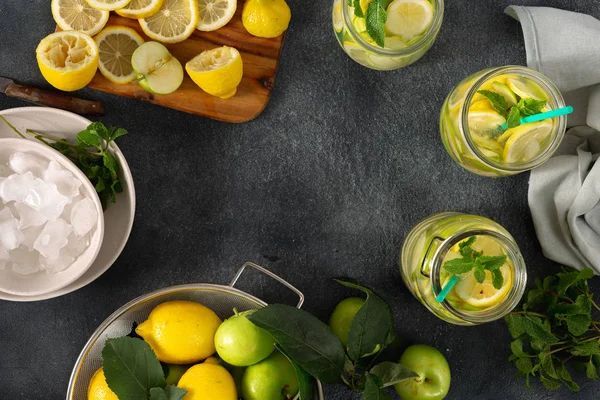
(241, 343)
(270, 379)
(173, 373)
(157, 70)
(433, 382)
(342, 317)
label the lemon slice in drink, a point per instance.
(505, 91)
(78, 15)
(525, 88)
(138, 9)
(483, 295)
(408, 18)
(116, 45)
(218, 72)
(357, 53)
(174, 22)
(108, 5)
(337, 16)
(525, 142)
(215, 14)
(68, 60)
(481, 122)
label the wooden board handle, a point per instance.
(57, 100)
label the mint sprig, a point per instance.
(375, 18)
(513, 114)
(478, 262)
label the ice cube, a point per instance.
(84, 216)
(66, 215)
(25, 262)
(31, 234)
(11, 236)
(62, 262)
(64, 180)
(77, 244)
(23, 162)
(34, 192)
(28, 216)
(53, 238)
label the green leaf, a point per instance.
(549, 383)
(307, 340)
(547, 365)
(170, 393)
(549, 283)
(514, 118)
(516, 347)
(459, 266)
(530, 106)
(535, 298)
(479, 275)
(117, 134)
(568, 279)
(497, 279)
(578, 324)
(596, 360)
(498, 101)
(100, 186)
(492, 263)
(590, 370)
(110, 162)
(99, 129)
(357, 8)
(524, 365)
(391, 373)
(538, 330)
(90, 138)
(131, 368)
(376, 17)
(305, 381)
(516, 324)
(565, 376)
(373, 325)
(372, 389)
(588, 348)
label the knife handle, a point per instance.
(55, 99)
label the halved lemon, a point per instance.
(215, 14)
(108, 5)
(78, 15)
(526, 88)
(116, 45)
(174, 22)
(483, 295)
(218, 72)
(408, 18)
(138, 9)
(525, 142)
(68, 60)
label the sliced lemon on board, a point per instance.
(525, 142)
(68, 60)
(116, 45)
(138, 9)
(108, 5)
(483, 295)
(218, 72)
(526, 88)
(174, 22)
(78, 15)
(408, 18)
(215, 14)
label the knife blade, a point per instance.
(50, 99)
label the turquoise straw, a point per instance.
(446, 289)
(542, 116)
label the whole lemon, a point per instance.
(180, 332)
(208, 381)
(266, 18)
(98, 389)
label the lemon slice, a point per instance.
(483, 295)
(505, 91)
(483, 121)
(357, 53)
(525, 143)
(338, 22)
(78, 15)
(116, 45)
(526, 88)
(68, 60)
(138, 9)
(218, 72)
(394, 42)
(408, 18)
(108, 5)
(215, 14)
(174, 22)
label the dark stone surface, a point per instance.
(326, 182)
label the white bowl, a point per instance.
(41, 282)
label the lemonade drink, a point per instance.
(473, 114)
(410, 28)
(437, 240)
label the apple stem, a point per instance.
(235, 311)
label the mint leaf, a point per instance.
(530, 106)
(99, 129)
(459, 266)
(514, 117)
(590, 371)
(498, 101)
(90, 138)
(117, 134)
(170, 393)
(465, 246)
(372, 388)
(568, 279)
(497, 279)
(110, 162)
(492, 263)
(131, 368)
(586, 348)
(479, 275)
(358, 9)
(549, 383)
(578, 324)
(524, 365)
(391, 373)
(516, 324)
(376, 17)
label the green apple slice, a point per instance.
(157, 70)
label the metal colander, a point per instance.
(219, 298)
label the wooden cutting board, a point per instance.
(260, 57)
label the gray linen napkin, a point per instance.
(564, 193)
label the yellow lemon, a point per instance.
(218, 71)
(116, 45)
(98, 388)
(266, 18)
(180, 332)
(408, 18)
(524, 142)
(68, 60)
(208, 381)
(174, 22)
(108, 5)
(78, 15)
(483, 295)
(215, 14)
(138, 9)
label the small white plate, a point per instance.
(118, 217)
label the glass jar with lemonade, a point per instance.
(478, 255)
(480, 121)
(387, 34)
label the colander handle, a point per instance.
(272, 275)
